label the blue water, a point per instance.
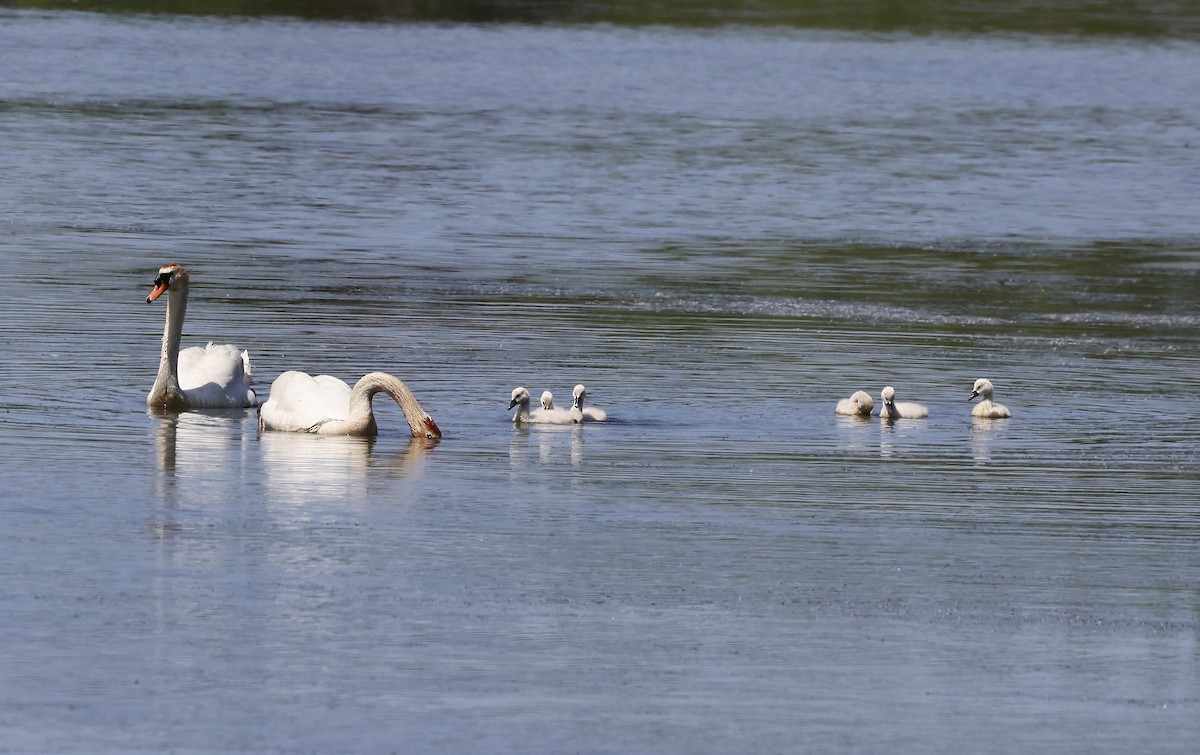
(721, 232)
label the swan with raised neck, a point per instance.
(213, 376)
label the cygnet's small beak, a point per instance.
(512, 403)
(973, 395)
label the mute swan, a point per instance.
(325, 405)
(902, 410)
(859, 404)
(591, 413)
(987, 408)
(217, 375)
(547, 400)
(543, 416)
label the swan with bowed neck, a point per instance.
(589, 413)
(325, 405)
(859, 404)
(520, 399)
(987, 409)
(893, 409)
(212, 376)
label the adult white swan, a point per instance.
(216, 375)
(892, 409)
(590, 413)
(325, 405)
(987, 409)
(520, 398)
(859, 404)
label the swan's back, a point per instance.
(215, 375)
(299, 401)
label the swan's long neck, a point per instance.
(166, 391)
(361, 420)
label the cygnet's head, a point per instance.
(983, 387)
(519, 396)
(888, 394)
(547, 400)
(577, 396)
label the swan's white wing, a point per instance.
(299, 401)
(215, 375)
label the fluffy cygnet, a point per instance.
(987, 408)
(859, 404)
(901, 410)
(521, 399)
(590, 413)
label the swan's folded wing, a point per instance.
(220, 364)
(299, 401)
(215, 375)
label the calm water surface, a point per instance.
(720, 232)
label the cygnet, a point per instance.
(902, 410)
(521, 399)
(987, 409)
(859, 404)
(590, 413)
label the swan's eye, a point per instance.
(164, 279)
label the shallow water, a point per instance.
(721, 233)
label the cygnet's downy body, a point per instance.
(859, 404)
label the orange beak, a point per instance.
(157, 291)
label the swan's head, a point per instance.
(170, 277)
(983, 387)
(547, 400)
(432, 431)
(888, 394)
(577, 396)
(519, 396)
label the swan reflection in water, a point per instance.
(200, 456)
(547, 444)
(199, 442)
(983, 431)
(302, 468)
(210, 458)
